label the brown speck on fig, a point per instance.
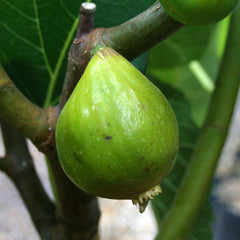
(107, 138)
(155, 169)
(77, 156)
(142, 158)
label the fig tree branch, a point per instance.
(76, 67)
(18, 165)
(141, 33)
(86, 20)
(131, 39)
(196, 186)
(27, 118)
(77, 212)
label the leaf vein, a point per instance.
(23, 86)
(61, 58)
(67, 11)
(20, 37)
(41, 39)
(19, 11)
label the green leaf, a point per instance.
(141, 62)
(36, 36)
(188, 132)
(185, 45)
(111, 13)
(183, 79)
(186, 77)
(190, 108)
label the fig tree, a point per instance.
(117, 135)
(198, 12)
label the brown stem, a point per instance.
(18, 165)
(79, 54)
(78, 212)
(86, 20)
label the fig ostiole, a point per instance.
(117, 135)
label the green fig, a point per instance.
(198, 12)
(117, 135)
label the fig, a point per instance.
(198, 12)
(117, 135)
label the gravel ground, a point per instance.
(15, 223)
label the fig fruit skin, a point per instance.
(198, 12)
(117, 135)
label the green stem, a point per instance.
(196, 185)
(27, 118)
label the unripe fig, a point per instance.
(117, 136)
(198, 12)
